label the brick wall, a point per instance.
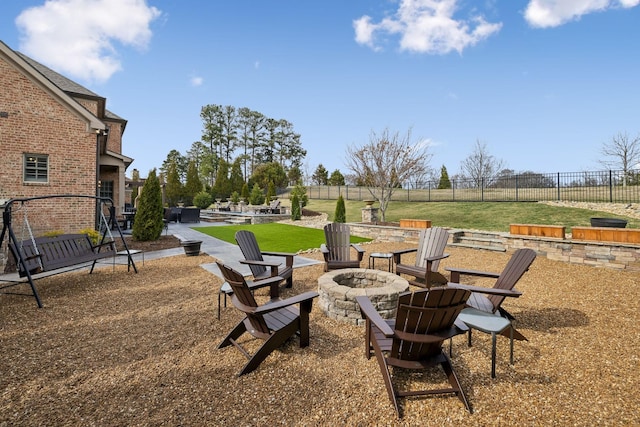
(114, 143)
(38, 123)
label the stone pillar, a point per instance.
(370, 214)
(120, 196)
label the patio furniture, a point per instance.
(337, 250)
(261, 269)
(273, 322)
(189, 215)
(226, 207)
(172, 214)
(413, 340)
(273, 208)
(489, 323)
(490, 299)
(380, 255)
(129, 218)
(431, 245)
(225, 289)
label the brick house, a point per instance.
(57, 137)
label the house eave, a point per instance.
(12, 58)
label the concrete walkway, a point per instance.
(228, 253)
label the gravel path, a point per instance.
(116, 348)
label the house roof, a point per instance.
(69, 86)
(72, 88)
(64, 97)
(59, 80)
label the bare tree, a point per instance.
(481, 167)
(621, 152)
(386, 162)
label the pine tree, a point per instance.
(148, 223)
(245, 192)
(193, 185)
(271, 192)
(256, 197)
(444, 179)
(173, 190)
(301, 192)
(236, 177)
(222, 187)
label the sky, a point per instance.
(543, 84)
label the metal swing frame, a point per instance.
(105, 228)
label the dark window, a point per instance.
(36, 168)
(106, 189)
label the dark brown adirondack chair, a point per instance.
(429, 252)
(413, 340)
(274, 322)
(490, 299)
(337, 250)
(261, 269)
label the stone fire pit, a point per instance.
(338, 290)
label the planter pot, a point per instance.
(191, 247)
(608, 222)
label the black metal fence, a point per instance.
(595, 186)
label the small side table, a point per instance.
(380, 255)
(132, 252)
(226, 290)
(487, 323)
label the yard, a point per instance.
(116, 348)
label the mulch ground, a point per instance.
(119, 348)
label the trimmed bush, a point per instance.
(202, 200)
(295, 208)
(148, 224)
(340, 214)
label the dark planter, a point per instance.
(191, 247)
(608, 222)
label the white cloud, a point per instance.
(552, 13)
(197, 81)
(426, 26)
(75, 37)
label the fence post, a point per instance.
(558, 185)
(610, 186)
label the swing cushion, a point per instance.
(51, 253)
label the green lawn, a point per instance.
(489, 216)
(275, 237)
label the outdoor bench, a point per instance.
(43, 254)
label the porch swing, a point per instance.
(42, 256)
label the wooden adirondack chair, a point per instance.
(337, 250)
(274, 322)
(430, 251)
(261, 269)
(490, 299)
(413, 340)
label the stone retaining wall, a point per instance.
(597, 254)
(619, 256)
